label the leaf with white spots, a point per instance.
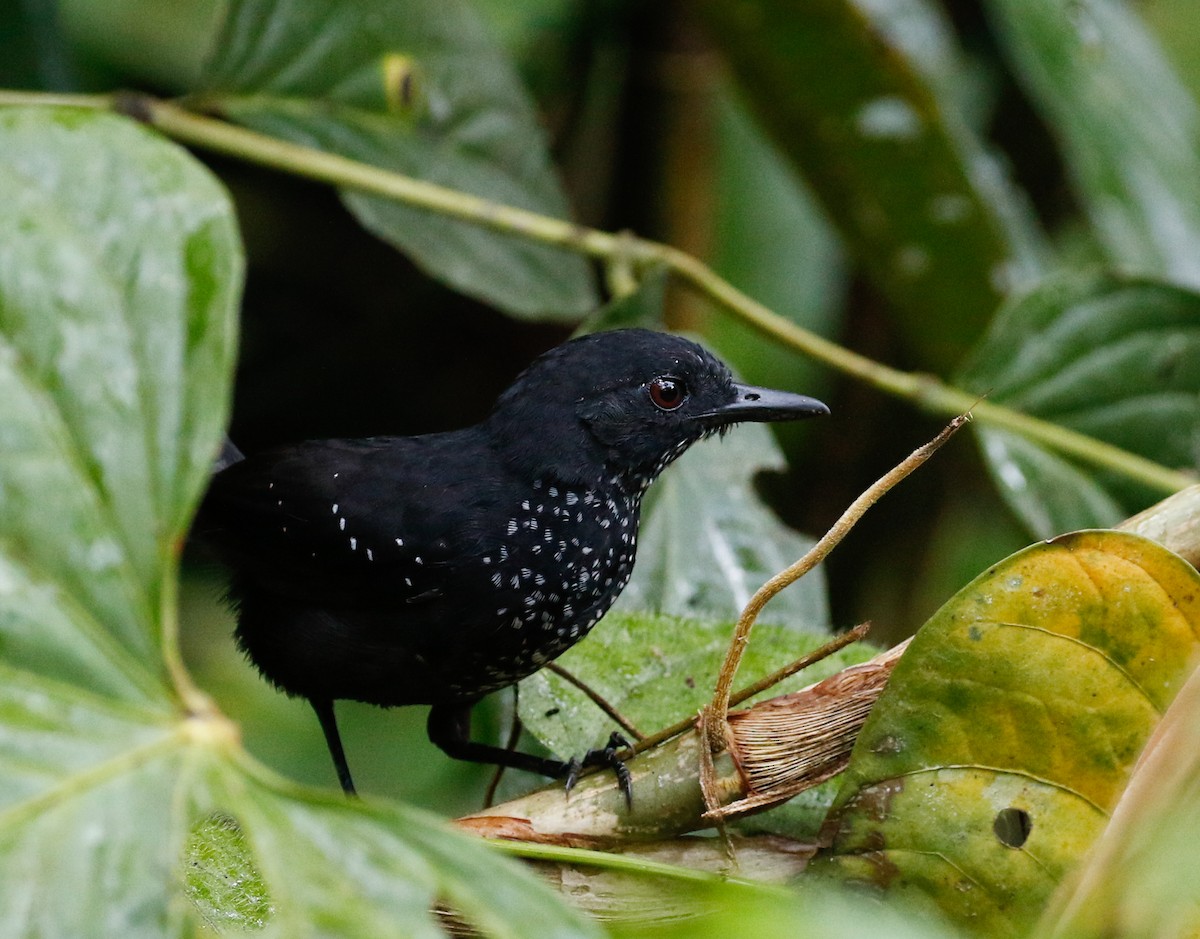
(866, 100)
(707, 541)
(1125, 124)
(1115, 358)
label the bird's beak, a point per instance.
(762, 404)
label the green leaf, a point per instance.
(117, 293)
(1139, 879)
(707, 542)
(861, 97)
(372, 869)
(736, 909)
(1116, 359)
(119, 277)
(421, 89)
(1009, 728)
(657, 670)
(1129, 130)
(120, 271)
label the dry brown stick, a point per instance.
(837, 643)
(599, 700)
(719, 706)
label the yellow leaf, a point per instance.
(1009, 728)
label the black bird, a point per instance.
(439, 568)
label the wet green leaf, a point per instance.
(418, 88)
(120, 272)
(1117, 359)
(1010, 726)
(117, 299)
(1128, 128)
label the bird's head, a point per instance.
(631, 400)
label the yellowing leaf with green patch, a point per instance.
(1010, 726)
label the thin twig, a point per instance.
(849, 637)
(622, 721)
(749, 691)
(719, 707)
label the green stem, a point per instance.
(195, 702)
(620, 863)
(925, 391)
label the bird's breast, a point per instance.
(561, 557)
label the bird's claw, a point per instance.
(605, 756)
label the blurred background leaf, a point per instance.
(1133, 156)
(423, 90)
(1117, 359)
(707, 542)
(858, 97)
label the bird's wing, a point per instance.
(351, 521)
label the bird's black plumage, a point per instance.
(436, 569)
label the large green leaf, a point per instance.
(861, 97)
(120, 270)
(419, 88)
(1128, 128)
(1009, 728)
(707, 542)
(116, 298)
(1116, 359)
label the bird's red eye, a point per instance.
(667, 393)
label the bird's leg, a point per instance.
(606, 756)
(449, 728)
(324, 709)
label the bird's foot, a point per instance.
(606, 756)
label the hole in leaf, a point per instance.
(1012, 826)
